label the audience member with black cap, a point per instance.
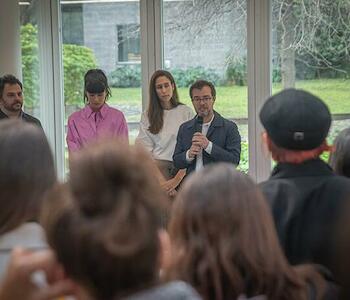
(96, 119)
(305, 196)
(225, 245)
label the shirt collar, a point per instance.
(3, 115)
(89, 113)
(209, 123)
(312, 167)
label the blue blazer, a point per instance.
(222, 133)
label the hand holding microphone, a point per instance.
(198, 125)
(199, 141)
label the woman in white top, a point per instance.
(159, 126)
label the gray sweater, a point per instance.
(176, 290)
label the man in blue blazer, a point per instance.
(208, 137)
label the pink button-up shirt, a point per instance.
(86, 125)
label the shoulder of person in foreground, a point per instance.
(175, 290)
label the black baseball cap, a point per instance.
(296, 120)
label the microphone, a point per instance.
(198, 124)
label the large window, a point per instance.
(207, 40)
(201, 39)
(311, 42)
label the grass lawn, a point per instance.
(232, 101)
(335, 92)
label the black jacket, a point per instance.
(25, 117)
(306, 201)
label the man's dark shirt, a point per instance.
(25, 117)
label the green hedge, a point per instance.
(236, 73)
(185, 77)
(76, 61)
(243, 164)
(126, 76)
(130, 76)
(30, 64)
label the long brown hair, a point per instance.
(155, 111)
(26, 172)
(224, 242)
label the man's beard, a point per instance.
(15, 107)
(204, 113)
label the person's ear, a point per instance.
(266, 139)
(165, 249)
(265, 143)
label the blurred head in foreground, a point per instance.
(224, 242)
(104, 224)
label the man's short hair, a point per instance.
(8, 79)
(199, 84)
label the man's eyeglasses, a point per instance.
(205, 99)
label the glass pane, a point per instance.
(30, 57)
(207, 40)
(105, 35)
(311, 52)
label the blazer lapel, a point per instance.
(217, 122)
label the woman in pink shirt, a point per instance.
(96, 119)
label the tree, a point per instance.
(314, 34)
(309, 33)
(196, 18)
(287, 20)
